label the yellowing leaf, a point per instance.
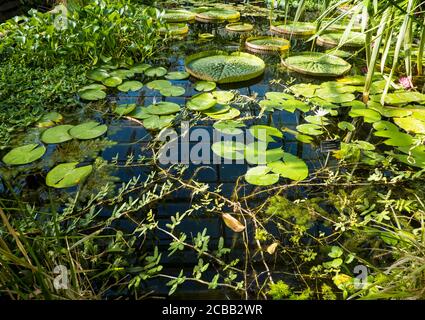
(272, 248)
(233, 223)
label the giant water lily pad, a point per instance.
(57, 134)
(239, 27)
(221, 67)
(202, 101)
(261, 176)
(178, 15)
(317, 64)
(67, 175)
(174, 29)
(333, 39)
(24, 155)
(265, 43)
(163, 108)
(228, 149)
(291, 167)
(217, 14)
(88, 130)
(296, 29)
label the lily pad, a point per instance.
(310, 129)
(67, 175)
(163, 108)
(344, 125)
(261, 176)
(140, 113)
(369, 115)
(335, 97)
(228, 115)
(155, 72)
(223, 97)
(265, 133)
(24, 155)
(57, 134)
(295, 29)
(229, 127)
(317, 64)
(172, 91)
(385, 125)
(221, 67)
(177, 75)
(174, 29)
(217, 109)
(122, 73)
(130, 86)
(201, 101)
(257, 153)
(140, 68)
(266, 43)
(228, 149)
(92, 95)
(98, 75)
(93, 86)
(158, 122)
(158, 84)
(239, 27)
(307, 90)
(217, 14)
(410, 124)
(49, 119)
(400, 98)
(333, 39)
(124, 109)
(88, 130)
(205, 86)
(396, 139)
(178, 15)
(112, 82)
(291, 167)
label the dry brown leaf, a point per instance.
(272, 248)
(233, 223)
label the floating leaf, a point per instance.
(261, 176)
(267, 43)
(232, 222)
(112, 82)
(335, 97)
(158, 84)
(385, 125)
(336, 252)
(201, 101)
(158, 122)
(155, 72)
(92, 95)
(67, 175)
(49, 119)
(256, 153)
(319, 120)
(400, 98)
(229, 127)
(223, 97)
(177, 75)
(310, 129)
(369, 115)
(57, 134)
(291, 167)
(88, 130)
(24, 155)
(278, 96)
(140, 68)
(222, 67)
(227, 149)
(140, 113)
(344, 125)
(239, 27)
(172, 91)
(124, 109)
(163, 108)
(98, 75)
(217, 109)
(317, 64)
(228, 115)
(205, 85)
(265, 133)
(130, 86)
(410, 124)
(93, 86)
(304, 89)
(397, 139)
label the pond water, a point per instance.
(131, 139)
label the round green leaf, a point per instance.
(57, 134)
(155, 72)
(265, 133)
(92, 94)
(177, 75)
(227, 149)
(88, 130)
(130, 86)
(260, 176)
(163, 108)
(67, 175)
(205, 85)
(124, 109)
(24, 155)
(112, 82)
(172, 91)
(201, 101)
(158, 84)
(228, 115)
(310, 129)
(291, 167)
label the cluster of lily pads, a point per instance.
(66, 174)
(271, 164)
